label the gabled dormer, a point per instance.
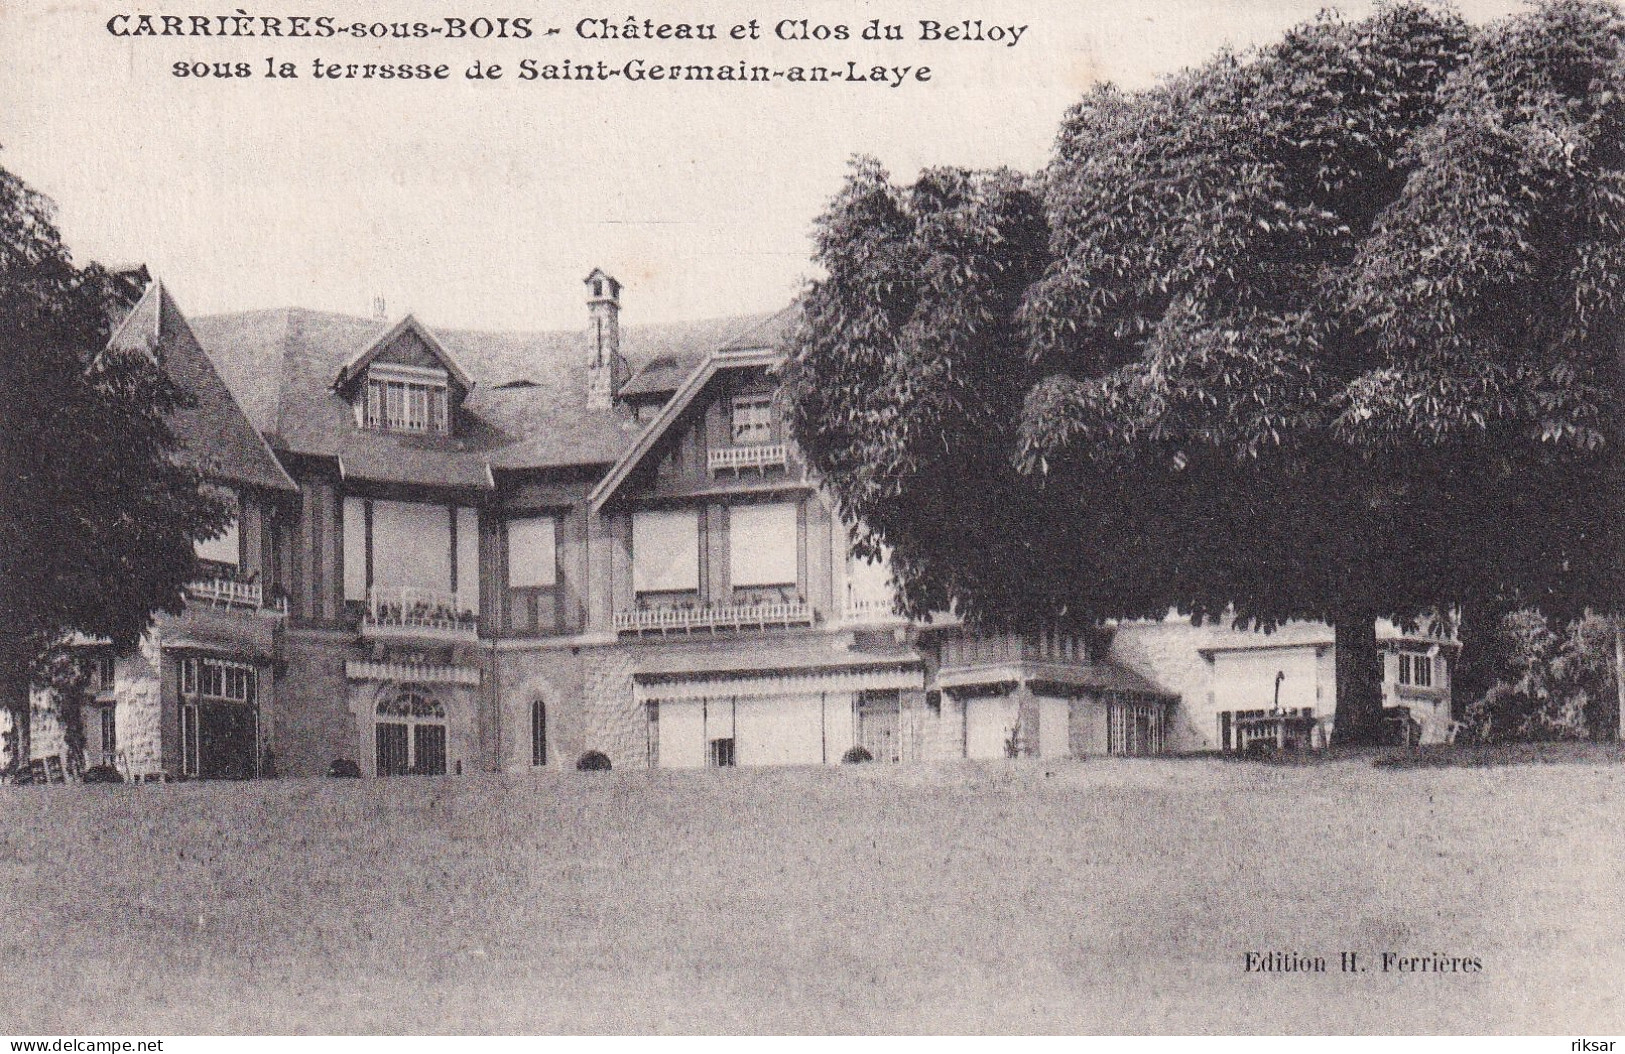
(404, 381)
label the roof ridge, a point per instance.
(748, 321)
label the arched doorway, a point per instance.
(410, 734)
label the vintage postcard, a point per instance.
(543, 358)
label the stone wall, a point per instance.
(138, 712)
(551, 675)
(613, 721)
(312, 724)
(139, 719)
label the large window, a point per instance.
(406, 406)
(1135, 728)
(762, 544)
(105, 676)
(390, 546)
(189, 740)
(1416, 669)
(410, 735)
(232, 682)
(532, 553)
(411, 546)
(752, 420)
(666, 552)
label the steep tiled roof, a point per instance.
(527, 410)
(767, 333)
(661, 376)
(216, 436)
(664, 374)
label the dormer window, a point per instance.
(401, 401)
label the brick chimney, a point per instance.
(606, 367)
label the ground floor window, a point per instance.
(410, 735)
(538, 733)
(218, 740)
(109, 735)
(1243, 731)
(751, 730)
(189, 739)
(880, 724)
(1416, 668)
(1135, 728)
(218, 679)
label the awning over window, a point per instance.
(410, 672)
(798, 683)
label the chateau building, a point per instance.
(463, 551)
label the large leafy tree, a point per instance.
(1321, 331)
(97, 518)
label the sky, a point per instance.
(484, 203)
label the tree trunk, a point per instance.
(1619, 674)
(1359, 681)
(15, 700)
(1618, 504)
(1474, 671)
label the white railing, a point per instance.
(761, 456)
(727, 616)
(870, 609)
(226, 593)
(411, 609)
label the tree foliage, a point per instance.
(1552, 684)
(97, 519)
(1324, 330)
(908, 361)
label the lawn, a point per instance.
(1097, 896)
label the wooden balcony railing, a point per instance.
(229, 593)
(411, 612)
(704, 619)
(869, 610)
(759, 457)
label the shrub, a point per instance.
(593, 761)
(343, 769)
(103, 774)
(1553, 683)
(855, 756)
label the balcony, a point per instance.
(418, 614)
(665, 620)
(870, 611)
(230, 593)
(760, 457)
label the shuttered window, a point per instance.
(762, 544)
(532, 553)
(411, 546)
(665, 551)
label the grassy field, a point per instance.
(1100, 896)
